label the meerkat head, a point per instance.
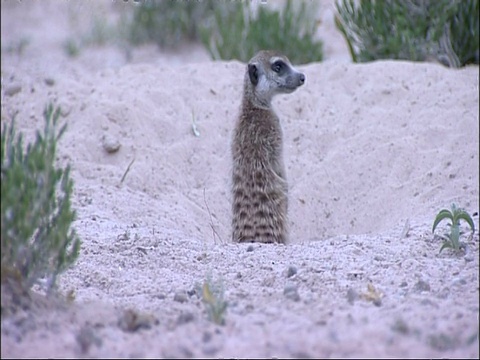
(270, 73)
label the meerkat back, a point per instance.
(259, 184)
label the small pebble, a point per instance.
(49, 81)
(401, 327)
(443, 294)
(180, 297)
(355, 275)
(184, 318)
(291, 292)
(207, 336)
(421, 285)
(210, 350)
(352, 295)
(459, 282)
(86, 338)
(292, 270)
(12, 89)
(110, 144)
(132, 320)
(428, 302)
(160, 296)
(442, 342)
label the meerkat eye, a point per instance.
(277, 66)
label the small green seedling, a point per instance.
(451, 240)
(212, 294)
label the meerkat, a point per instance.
(259, 183)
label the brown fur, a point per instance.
(259, 185)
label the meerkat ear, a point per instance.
(253, 73)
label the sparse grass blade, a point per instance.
(443, 214)
(463, 215)
(455, 236)
(446, 245)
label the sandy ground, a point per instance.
(373, 152)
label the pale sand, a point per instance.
(373, 152)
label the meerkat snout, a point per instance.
(259, 183)
(272, 76)
(294, 80)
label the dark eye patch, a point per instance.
(278, 66)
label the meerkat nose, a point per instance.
(302, 78)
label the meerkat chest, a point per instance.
(261, 128)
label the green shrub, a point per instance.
(229, 29)
(226, 29)
(168, 23)
(236, 32)
(452, 239)
(101, 31)
(37, 240)
(417, 30)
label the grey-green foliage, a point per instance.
(236, 31)
(417, 30)
(168, 23)
(230, 29)
(36, 215)
(452, 239)
(102, 31)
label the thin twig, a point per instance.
(194, 125)
(211, 221)
(128, 169)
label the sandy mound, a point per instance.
(373, 152)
